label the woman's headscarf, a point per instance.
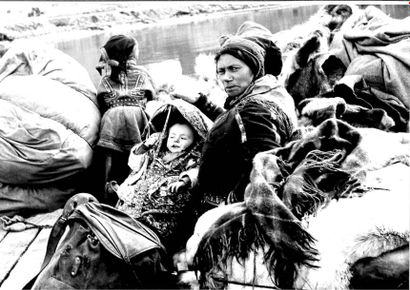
(262, 36)
(248, 51)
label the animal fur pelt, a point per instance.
(313, 111)
(390, 270)
(376, 152)
(350, 229)
(355, 91)
(311, 70)
(352, 101)
(308, 68)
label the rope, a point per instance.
(244, 284)
(19, 224)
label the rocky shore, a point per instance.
(73, 19)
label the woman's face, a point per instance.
(234, 74)
(180, 137)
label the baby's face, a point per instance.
(180, 137)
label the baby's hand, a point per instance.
(179, 261)
(150, 141)
(177, 186)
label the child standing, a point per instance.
(158, 192)
(122, 94)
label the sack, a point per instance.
(94, 245)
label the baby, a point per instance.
(158, 190)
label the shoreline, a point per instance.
(109, 17)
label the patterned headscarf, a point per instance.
(115, 53)
(248, 51)
(261, 35)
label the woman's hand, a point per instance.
(186, 89)
(177, 186)
(188, 98)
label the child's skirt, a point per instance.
(122, 127)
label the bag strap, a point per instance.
(59, 228)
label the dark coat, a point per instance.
(261, 120)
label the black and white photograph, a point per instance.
(204, 145)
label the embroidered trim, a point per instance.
(241, 127)
(213, 200)
(128, 102)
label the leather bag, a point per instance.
(95, 246)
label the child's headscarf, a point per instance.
(115, 53)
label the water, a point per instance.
(169, 50)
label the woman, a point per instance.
(258, 115)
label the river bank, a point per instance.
(62, 20)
